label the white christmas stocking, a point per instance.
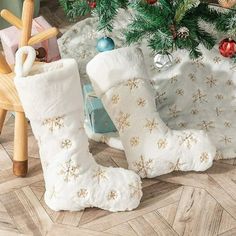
(119, 78)
(52, 99)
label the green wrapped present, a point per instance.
(96, 115)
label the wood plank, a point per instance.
(123, 230)
(142, 227)
(69, 218)
(231, 232)
(8, 182)
(5, 160)
(191, 219)
(158, 200)
(169, 212)
(227, 223)
(159, 224)
(58, 230)
(16, 209)
(6, 222)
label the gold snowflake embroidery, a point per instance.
(100, 174)
(69, 171)
(199, 96)
(180, 92)
(134, 141)
(115, 99)
(219, 155)
(162, 143)
(66, 144)
(141, 102)
(229, 82)
(112, 195)
(211, 81)
(132, 84)
(123, 121)
(204, 157)
(174, 79)
(217, 60)
(219, 96)
(151, 125)
(192, 77)
(160, 97)
(226, 139)
(135, 190)
(195, 111)
(83, 192)
(198, 62)
(182, 124)
(143, 167)
(219, 111)
(54, 123)
(173, 111)
(206, 125)
(228, 124)
(187, 139)
(177, 166)
(177, 60)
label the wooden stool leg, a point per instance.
(3, 114)
(20, 159)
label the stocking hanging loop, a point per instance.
(22, 68)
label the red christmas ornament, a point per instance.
(227, 47)
(151, 1)
(92, 4)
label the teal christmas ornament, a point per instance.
(105, 44)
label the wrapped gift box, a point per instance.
(10, 38)
(96, 115)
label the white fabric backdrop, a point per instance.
(199, 94)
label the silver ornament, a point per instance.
(163, 61)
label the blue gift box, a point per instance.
(96, 115)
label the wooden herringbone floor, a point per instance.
(175, 204)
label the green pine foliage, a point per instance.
(166, 25)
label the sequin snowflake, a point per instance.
(82, 193)
(187, 139)
(151, 124)
(132, 84)
(162, 143)
(134, 141)
(115, 99)
(69, 170)
(143, 167)
(211, 81)
(123, 121)
(99, 174)
(199, 96)
(204, 157)
(112, 195)
(141, 102)
(66, 144)
(173, 111)
(206, 125)
(54, 123)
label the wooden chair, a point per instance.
(9, 100)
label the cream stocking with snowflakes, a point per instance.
(119, 78)
(52, 99)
